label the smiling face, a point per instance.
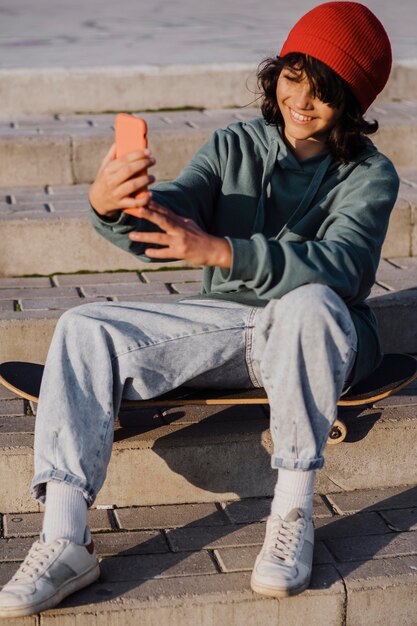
(307, 120)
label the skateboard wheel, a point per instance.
(338, 433)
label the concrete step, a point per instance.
(65, 150)
(152, 87)
(30, 307)
(47, 230)
(196, 454)
(190, 564)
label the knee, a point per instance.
(77, 318)
(311, 298)
(311, 306)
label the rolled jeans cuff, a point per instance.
(38, 486)
(296, 464)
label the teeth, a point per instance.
(301, 118)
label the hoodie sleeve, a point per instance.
(193, 194)
(343, 255)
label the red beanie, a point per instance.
(347, 37)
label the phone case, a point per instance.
(130, 135)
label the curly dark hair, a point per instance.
(347, 138)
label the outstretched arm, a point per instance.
(181, 238)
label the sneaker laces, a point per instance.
(284, 539)
(34, 562)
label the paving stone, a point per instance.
(25, 283)
(7, 305)
(131, 543)
(29, 524)
(174, 276)
(404, 397)
(398, 277)
(14, 406)
(250, 510)
(187, 288)
(401, 520)
(386, 568)
(56, 304)
(51, 292)
(145, 566)
(7, 571)
(178, 588)
(17, 424)
(242, 559)
(68, 191)
(201, 599)
(373, 546)
(25, 194)
(247, 510)
(320, 508)
(397, 414)
(188, 539)
(76, 206)
(170, 516)
(79, 280)
(6, 394)
(374, 499)
(237, 559)
(169, 297)
(16, 440)
(350, 526)
(399, 235)
(127, 289)
(14, 549)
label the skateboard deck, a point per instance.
(395, 372)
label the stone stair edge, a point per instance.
(35, 219)
(30, 307)
(70, 151)
(170, 455)
(59, 90)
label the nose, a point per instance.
(302, 97)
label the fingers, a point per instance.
(110, 156)
(125, 169)
(159, 253)
(161, 216)
(135, 185)
(133, 203)
(161, 239)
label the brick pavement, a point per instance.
(370, 535)
(67, 149)
(60, 292)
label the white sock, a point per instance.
(65, 513)
(294, 489)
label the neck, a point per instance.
(306, 148)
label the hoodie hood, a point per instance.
(314, 168)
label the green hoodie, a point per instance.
(289, 223)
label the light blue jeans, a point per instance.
(300, 348)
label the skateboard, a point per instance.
(395, 372)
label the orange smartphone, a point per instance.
(130, 135)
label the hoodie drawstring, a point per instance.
(306, 201)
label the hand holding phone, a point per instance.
(130, 135)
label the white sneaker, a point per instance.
(49, 573)
(283, 566)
